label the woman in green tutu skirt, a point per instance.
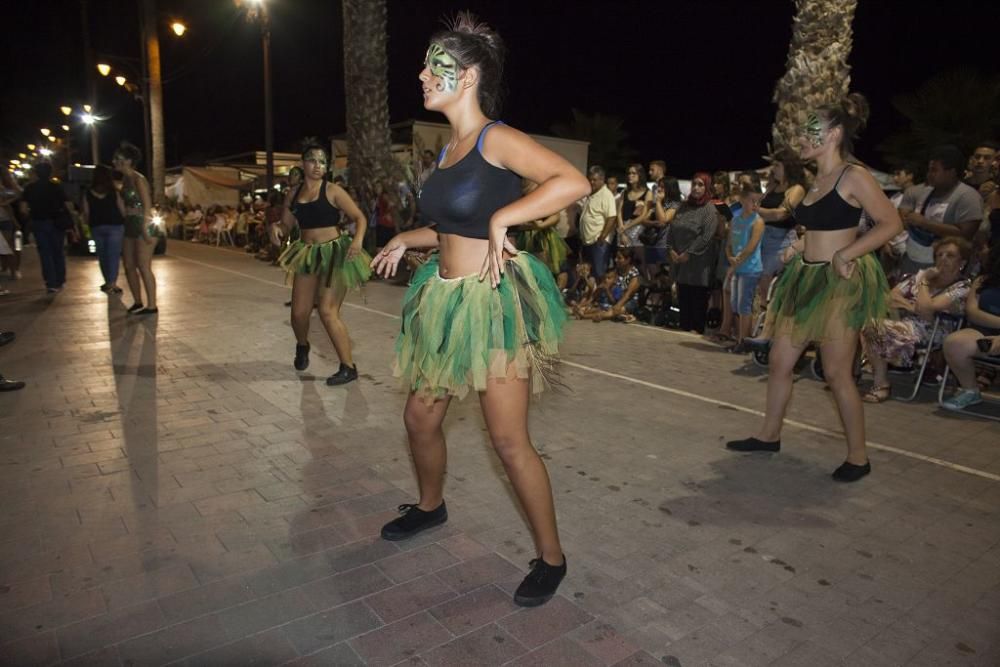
(832, 285)
(541, 237)
(479, 316)
(323, 262)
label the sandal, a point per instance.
(877, 394)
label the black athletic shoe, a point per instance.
(343, 376)
(413, 521)
(136, 307)
(540, 584)
(753, 445)
(760, 345)
(7, 337)
(848, 472)
(10, 385)
(301, 357)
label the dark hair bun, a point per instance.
(856, 108)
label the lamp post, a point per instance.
(258, 8)
(154, 99)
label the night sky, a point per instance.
(693, 81)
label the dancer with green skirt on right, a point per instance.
(835, 287)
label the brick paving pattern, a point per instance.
(173, 492)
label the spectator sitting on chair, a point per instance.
(917, 299)
(622, 291)
(982, 311)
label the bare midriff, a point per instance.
(820, 246)
(320, 234)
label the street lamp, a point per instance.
(120, 80)
(88, 118)
(66, 110)
(104, 69)
(65, 128)
(45, 151)
(258, 8)
(179, 28)
(45, 131)
(31, 147)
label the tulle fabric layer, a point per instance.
(329, 260)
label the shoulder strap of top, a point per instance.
(842, 172)
(441, 155)
(295, 197)
(482, 133)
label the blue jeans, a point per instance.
(598, 254)
(51, 239)
(108, 239)
(772, 244)
(741, 294)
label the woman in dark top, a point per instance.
(476, 318)
(690, 241)
(104, 212)
(137, 248)
(323, 259)
(982, 310)
(49, 209)
(634, 209)
(785, 190)
(835, 287)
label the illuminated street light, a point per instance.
(53, 137)
(31, 147)
(88, 118)
(23, 156)
(66, 110)
(45, 151)
(120, 80)
(45, 131)
(65, 128)
(179, 28)
(86, 108)
(104, 69)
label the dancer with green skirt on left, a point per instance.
(324, 262)
(541, 237)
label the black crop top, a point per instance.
(828, 213)
(315, 214)
(462, 198)
(775, 199)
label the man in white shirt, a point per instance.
(598, 216)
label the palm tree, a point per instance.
(817, 71)
(606, 135)
(366, 95)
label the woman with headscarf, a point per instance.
(689, 244)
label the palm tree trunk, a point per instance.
(154, 103)
(366, 95)
(817, 71)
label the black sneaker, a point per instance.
(849, 472)
(301, 357)
(540, 584)
(413, 521)
(753, 445)
(343, 376)
(136, 307)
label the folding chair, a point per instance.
(924, 352)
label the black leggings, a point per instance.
(693, 303)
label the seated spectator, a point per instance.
(582, 288)
(917, 300)
(620, 297)
(982, 312)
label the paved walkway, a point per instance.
(172, 491)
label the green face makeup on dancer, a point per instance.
(317, 156)
(813, 130)
(444, 66)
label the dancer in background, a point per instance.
(323, 263)
(835, 287)
(138, 246)
(476, 318)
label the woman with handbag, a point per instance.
(51, 214)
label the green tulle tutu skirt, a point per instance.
(812, 304)
(457, 333)
(547, 244)
(329, 260)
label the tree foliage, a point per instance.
(607, 137)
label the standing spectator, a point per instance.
(666, 201)
(689, 239)
(598, 217)
(613, 186)
(139, 244)
(635, 208)
(980, 174)
(945, 206)
(104, 212)
(427, 167)
(9, 227)
(745, 266)
(785, 191)
(50, 211)
(657, 172)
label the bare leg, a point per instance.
(880, 370)
(959, 348)
(780, 365)
(131, 259)
(505, 407)
(838, 368)
(303, 298)
(330, 300)
(430, 456)
(144, 264)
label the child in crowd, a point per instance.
(745, 264)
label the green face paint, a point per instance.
(444, 66)
(813, 130)
(316, 156)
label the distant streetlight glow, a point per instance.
(65, 128)
(23, 156)
(45, 131)
(104, 69)
(53, 137)
(88, 118)
(31, 147)
(179, 28)
(120, 80)
(66, 110)
(45, 151)
(86, 108)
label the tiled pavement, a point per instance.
(172, 491)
